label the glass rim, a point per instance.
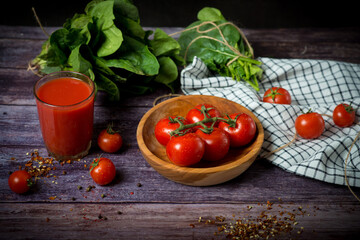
(91, 83)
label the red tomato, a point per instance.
(102, 171)
(277, 95)
(164, 126)
(243, 132)
(310, 125)
(344, 115)
(185, 150)
(217, 144)
(195, 114)
(109, 140)
(20, 181)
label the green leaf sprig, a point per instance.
(222, 46)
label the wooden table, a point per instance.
(141, 204)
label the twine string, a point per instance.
(164, 96)
(223, 41)
(33, 69)
(38, 21)
(346, 159)
(30, 67)
(282, 147)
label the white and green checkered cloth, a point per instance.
(319, 85)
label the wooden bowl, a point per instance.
(203, 173)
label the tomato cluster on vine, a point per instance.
(203, 134)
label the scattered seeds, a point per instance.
(264, 226)
(88, 189)
(102, 217)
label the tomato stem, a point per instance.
(95, 163)
(273, 93)
(309, 111)
(207, 119)
(348, 108)
(110, 129)
(29, 183)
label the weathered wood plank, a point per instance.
(25, 32)
(16, 87)
(20, 125)
(21, 133)
(258, 35)
(167, 221)
(345, 35)
(261, 182)
(347, 52)
(342, 45)
(159, 209)
(18, 53)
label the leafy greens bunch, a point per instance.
(108, 44)
(222, 46)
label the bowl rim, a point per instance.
(205, 170)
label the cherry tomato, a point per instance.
(109, 140)
(243, 132)
(217, 144)
(164, 126)
(344, 115)
(277, 95)
(310, 125)
(185, 150)
(195, 114)
(102, 171)
(20, 181)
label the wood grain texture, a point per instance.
(203, 173)
(160, 208)
(17, 89)
(333, 44)
(261, 182)
(163, 221)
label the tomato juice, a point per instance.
(65, 103)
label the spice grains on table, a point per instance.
(141, 204)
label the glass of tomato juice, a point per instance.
(65, 104)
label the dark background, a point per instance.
(180, 13)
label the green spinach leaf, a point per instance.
(105, 84)
(104, 18)
(80, 64)
(135, 57)
(108, 44)
(168, 72)
(163, 45)
(210, 14)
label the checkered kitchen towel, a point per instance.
(316, 84)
